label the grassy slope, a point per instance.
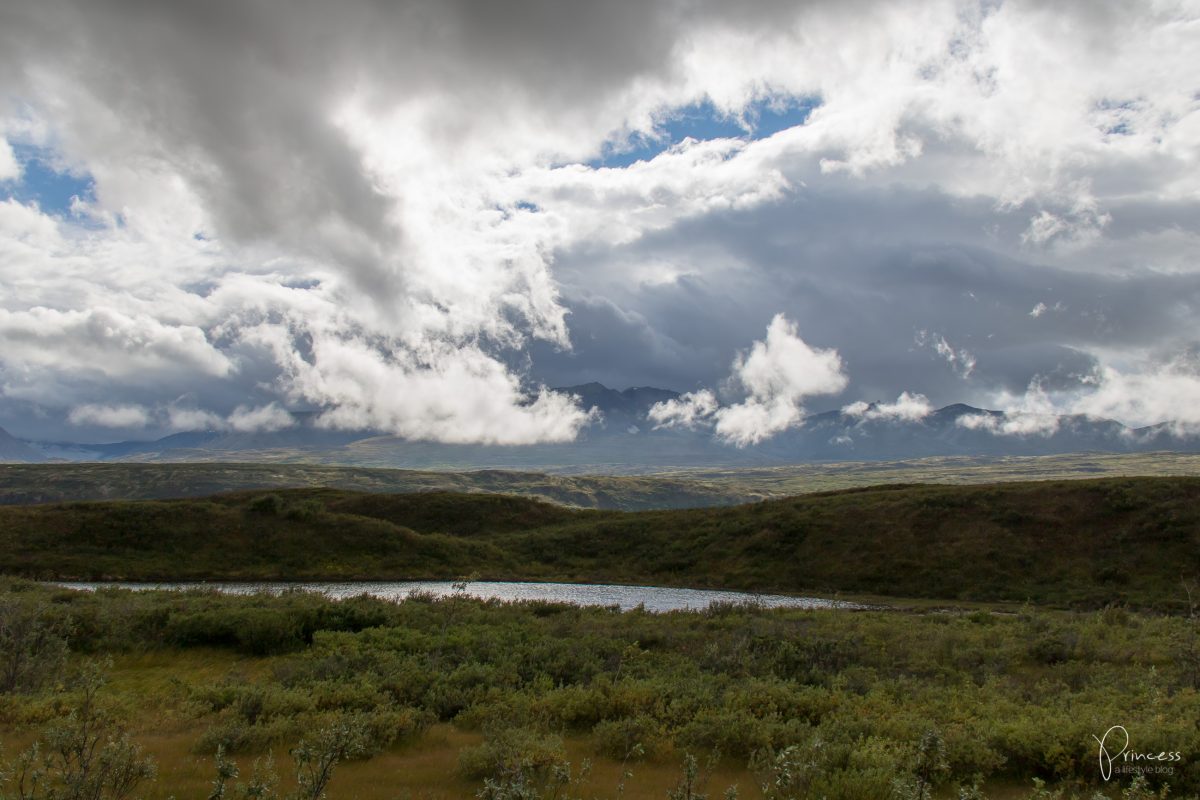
(49, 483)
(684, 488)
(820, 476)
(1061, 542)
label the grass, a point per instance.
(1012, 694)
(1068, 543)
(663, 489)
(427, 768)
(956, 470)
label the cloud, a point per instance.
(1041, 308)
(960, 360)
(846, 264)
(244, 419)
(268, 418)
(10, 168)
(193, 419)
(24, 228)
(1163, 394)
(456, 395)
(1167, 393)
(107, 341)
(776, 375)
(1030, 414)
(109, 416)
(907, 408)
(690, 410)
(1083, 223)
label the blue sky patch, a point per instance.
(702, 121)
(43, 182)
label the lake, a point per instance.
(652, 598)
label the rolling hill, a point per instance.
(680, 488)
(1078, 543)
(45, 483)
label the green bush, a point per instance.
(631, 738)
(1014, 697)
(33, 644)
(510, 750)
(267, 505)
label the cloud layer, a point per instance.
(400, 215)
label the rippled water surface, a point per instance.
(653, 598)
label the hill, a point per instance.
(46, 483)
(13, 449)
(1079, 543)
(690, 488)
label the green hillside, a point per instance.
(1085, 543)
(683, 488)
(49, 483)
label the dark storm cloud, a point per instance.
(617, 348)
(239, 97)
(869, 274)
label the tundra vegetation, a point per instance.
(682, 487)
(115, 694)
(1079, 544)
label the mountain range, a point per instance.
(624, 440)
(13, 449)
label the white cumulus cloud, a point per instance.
(1169, 393)
(690, 410)
(776, 376)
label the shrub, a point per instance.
(236, 736)
(631, 738)
(317, 756)
(1050, 648)
(84, 755)
(267, 631)
(305, 510)
(733, 732)
(267, 504)
(508, 751)
(33, 645)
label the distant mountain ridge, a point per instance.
(623, 439)
(13, 449)
(619, 407)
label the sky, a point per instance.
(422, 216)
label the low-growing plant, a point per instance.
(927, 767)
(640, 736)
(691, 783)
(84, 755)
(507, 752)
(33, 644)
(314, 758)
(318, 756)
